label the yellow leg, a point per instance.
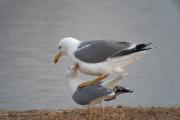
(102, 111)
(88, 83)
(90, 112)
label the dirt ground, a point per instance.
(118, 113)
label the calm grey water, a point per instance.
(31, 29)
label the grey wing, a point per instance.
(86, 95)
(99, 50)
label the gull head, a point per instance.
(65, 46)
(71, 73)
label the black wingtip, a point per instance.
(130, 91)
(121, 89)
(148, 44)
(137, 48)
(143, 49)
(142, 46)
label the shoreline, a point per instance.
(116, 113)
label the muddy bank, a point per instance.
(118, 113)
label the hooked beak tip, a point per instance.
(55, 61)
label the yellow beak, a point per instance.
(57, 56)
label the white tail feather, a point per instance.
(118, 63)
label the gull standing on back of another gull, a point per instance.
(99, 57)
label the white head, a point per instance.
(71, 73)
(71, 76)
(64, 46)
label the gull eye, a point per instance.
(59, 47)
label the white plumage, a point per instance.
(70, 45)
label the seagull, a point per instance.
(96, 93)
(99, 57)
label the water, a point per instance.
(31, 29)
